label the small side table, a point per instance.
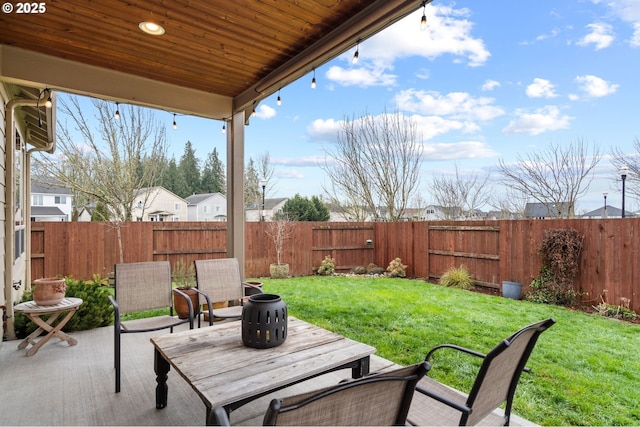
(34, 311)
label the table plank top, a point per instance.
(32, 307)
(222, 370)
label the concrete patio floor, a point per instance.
(74, 385)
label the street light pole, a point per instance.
(604, 215)
(263, 184)
(623, 173)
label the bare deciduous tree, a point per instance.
(461, 195)
(375, 165)
(632, 162)
(108, 165)
(555, 176)
(266, 171)
(511, 204)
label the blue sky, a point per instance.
(487, 80)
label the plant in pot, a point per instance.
(184, 279)
(280, 231)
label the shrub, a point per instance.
(374, 269)
(95, 311)
(457, 277)
(620, 311)
(396, 268)
(327, 266)
(560, 253)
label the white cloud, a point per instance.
(307, 161)
(541, 120)
(490, 85)
(432, 126)
(457, 150)
(289, 174)
(449, 31)
(368, 75)
(541, 88)
(595, 87)
(326, 130)
(635, 39)
(600, 36)
(458, 105)
(265, 112)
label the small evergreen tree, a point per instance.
(189, 168)
(213, 177)
(300, 208)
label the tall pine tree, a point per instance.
(213, 176)
(189, 168)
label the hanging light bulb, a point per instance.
(224, 128)
(253, 113)
(423, 20)
(175, 126)
(313, 81)
(117, 114)
(354, 61)
(279, 99)
(48, 102)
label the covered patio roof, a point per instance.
(214, 59)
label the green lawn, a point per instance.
(585, 369)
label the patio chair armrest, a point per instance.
(464, 350)
(460, 407)
(218, 417)
(116, 306)
(454, 347)
(209, 306)
(189, 304)
(249, 285)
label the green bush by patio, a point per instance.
(584, 369)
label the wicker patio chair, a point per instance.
(219, 280)
(380, 399)
(495, 383)
(143, 286)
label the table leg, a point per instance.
(361, 369)
(53, 331)
(161, 368)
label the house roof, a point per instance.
(44, 188)
(268, 203)
(611, 211)
(195, 199)
(214, 59)
(540, 210)
(46, 211)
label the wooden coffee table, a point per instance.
(53, 325)
(226, 373)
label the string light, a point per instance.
(117, 114)
(354, 61)
(423, 20)
(253, 113)
(49, 102)
(175, 126)
(279, 99)
(313, 81)
(224, 128)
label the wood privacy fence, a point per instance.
(493, 251)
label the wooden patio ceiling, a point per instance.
(223, 52)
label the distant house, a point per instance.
(254, 212)
(50, 202)
(207, 207)
(611, 212)
(541, 210)
(158, 204)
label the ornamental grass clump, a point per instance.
(396, 268)
(327, 266)
(457, 277)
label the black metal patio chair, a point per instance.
(495, 383)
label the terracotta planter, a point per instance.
(279, 271)
(49, 290)
(181, 306)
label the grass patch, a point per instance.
(584, 369)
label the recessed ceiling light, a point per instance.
(151, 28)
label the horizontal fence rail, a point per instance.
(493, 251)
